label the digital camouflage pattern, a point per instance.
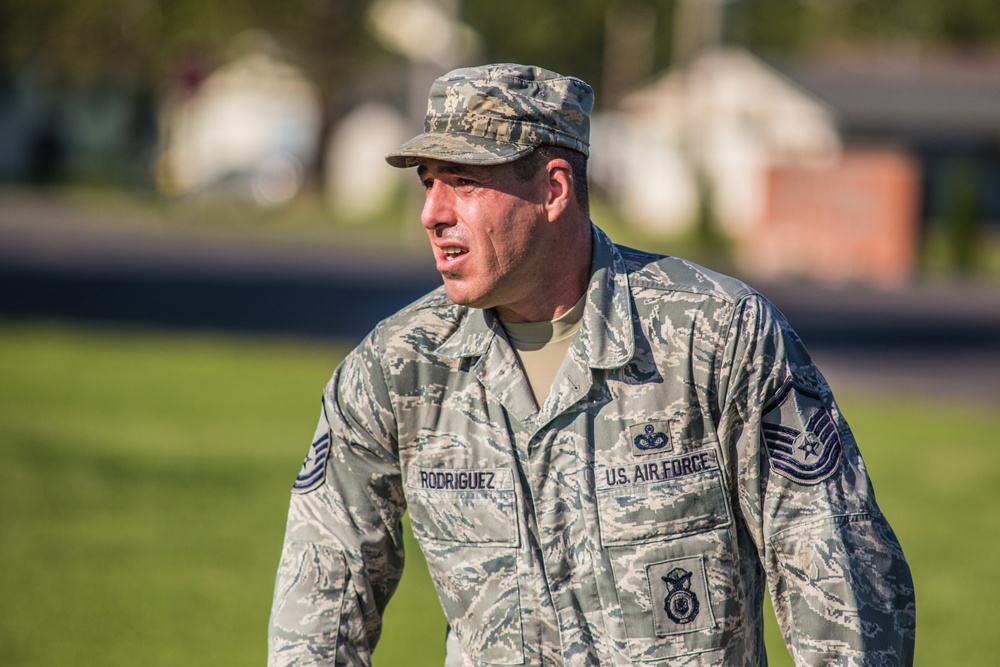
(634, 518)
(498, 113)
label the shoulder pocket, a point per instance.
(308, 600)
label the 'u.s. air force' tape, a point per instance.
(659, 470)
(800, 436)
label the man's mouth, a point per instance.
(451, 253)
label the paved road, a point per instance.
(55, 262)
(932, 341)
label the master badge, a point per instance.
(313, 469)
(650, 438)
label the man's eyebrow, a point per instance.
(451, 168)
(457, 169)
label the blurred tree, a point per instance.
(570, 36)
(156, 45)
(328, 39)
(563, 35)
(790, 26)
(567, 36)
(767, 25)
(79, 40)
(963, 217)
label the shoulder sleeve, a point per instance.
(343, 551)
(841, 587)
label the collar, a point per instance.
(606, 334)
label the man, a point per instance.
(606, 454)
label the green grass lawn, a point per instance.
(144, 479)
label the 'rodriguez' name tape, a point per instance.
(648, 472)
(460, 479)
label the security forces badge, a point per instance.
(679, 591)
(800, 436)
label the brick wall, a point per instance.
(855, 221)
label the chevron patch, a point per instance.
(800, 436)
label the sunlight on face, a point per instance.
(484, 225)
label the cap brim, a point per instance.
(458, 148)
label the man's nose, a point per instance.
(438, 206)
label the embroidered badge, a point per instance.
(800, 436)
(680, 597)
(650, 438)
(680, 604)
(314, 467)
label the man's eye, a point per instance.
(464, 182)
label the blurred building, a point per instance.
(851, 221)
(249, 129)
(829, 170)
(359, 184)
(942, 107)
(711, 130)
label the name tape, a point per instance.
(461, 479)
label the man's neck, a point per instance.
(554, 297)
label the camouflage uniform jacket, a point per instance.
(688, 454)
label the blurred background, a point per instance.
(196, 223)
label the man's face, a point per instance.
(486, 228)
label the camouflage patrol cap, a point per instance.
(497, 113)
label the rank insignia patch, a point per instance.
(800, 436)
(650, 438)
(314, 467)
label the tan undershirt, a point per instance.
(542, 346)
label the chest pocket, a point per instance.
(663, 524)
(462, 506)
(467, 524)
(665, 498)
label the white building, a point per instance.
(253, 124)
(715, 127)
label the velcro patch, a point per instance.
(800, 436)
(650, 438)
(679, 592)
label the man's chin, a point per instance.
(464, 297)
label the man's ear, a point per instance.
(558, 187)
